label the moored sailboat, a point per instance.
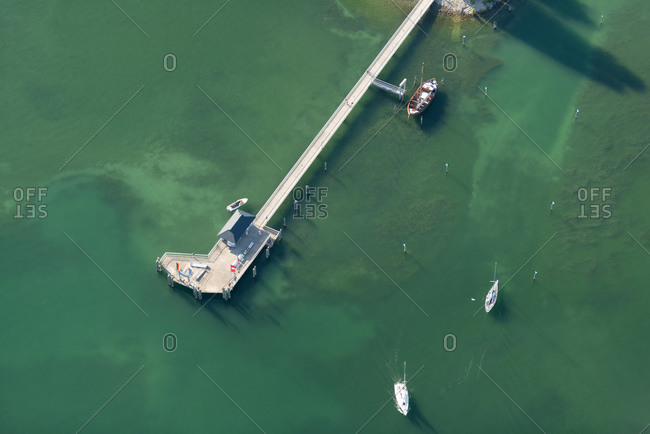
(423, 96)
(402, 395)
(491, 298)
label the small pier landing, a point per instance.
(389, 87)
(219, 271)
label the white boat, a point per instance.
(236, 204)
(402, 395)
(492, 294)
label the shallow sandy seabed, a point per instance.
(464, 6)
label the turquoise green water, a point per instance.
(315, 343)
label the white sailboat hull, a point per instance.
(491, 298)
(402, 397)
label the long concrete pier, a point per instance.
(244, 237)
(340, 114)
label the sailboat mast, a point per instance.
(421, 77)
(495, 272)
(405, 372)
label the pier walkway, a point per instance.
(220, 270)
(332, 125)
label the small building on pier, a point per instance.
(237, 226)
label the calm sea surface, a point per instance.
(174, 113)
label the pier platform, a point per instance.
(213, 273)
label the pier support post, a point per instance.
(158, 266)
(268, 251)
(170, 280)
(254, 271)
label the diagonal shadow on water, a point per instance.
(570, 9)
(543, 30)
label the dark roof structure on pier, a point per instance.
(236, 226)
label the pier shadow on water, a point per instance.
(185, 294)
(353, 142)
(570, 9)
(541, 28)
(244, 296)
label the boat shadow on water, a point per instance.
(501, 310)
(434, 115)
(417, 419)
